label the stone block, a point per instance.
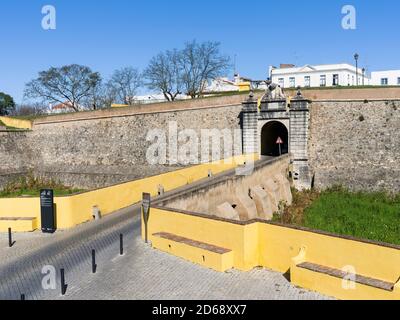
(284, 189)
(263, 203)
(226, 211)
(246, 206)
(272, 190)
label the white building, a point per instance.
(385, 78)
(154, 98)
(65, 107)
(329, 75)
(222, 84)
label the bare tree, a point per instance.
(125, 82)
(101, 96)
(164, 74)
(108, 96)
(72, 83)
(201, 63)
(30, 109)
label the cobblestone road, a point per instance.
(144, 273)
(141, 273)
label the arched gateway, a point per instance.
(274, 120)
(274, 139)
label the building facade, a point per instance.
(276, 128)
(385, 78)
(223, 84)
(331, 75)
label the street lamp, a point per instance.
(356, 56)
(363, 75)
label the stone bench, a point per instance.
(208, 255)
(371, 282)
(341, 283)
(18, 224)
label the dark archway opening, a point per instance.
(269, 136)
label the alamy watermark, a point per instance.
(349, 280)
(349, 21)
(192, 147)
(49, 20)
(49, 281)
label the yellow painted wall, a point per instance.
(206, 258)
(225, 235)
(334, 287)
(18, 225)
(370, 259)
(76, 209)
(119, 105)
(244, 86)
(16, 123)
(274, 247)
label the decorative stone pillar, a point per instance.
(249, 125)
(299, 131)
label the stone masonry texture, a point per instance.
(351, 143)
(103, 151)
(356, 145)
(14, 155)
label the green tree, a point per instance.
(71, 84)
(7, 104)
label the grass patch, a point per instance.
(372, 216)
(30, 186)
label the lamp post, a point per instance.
(356, 56)
(363, 75)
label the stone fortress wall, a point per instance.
(355, 144)
(102, 151)
(15, 155)
(352, 142)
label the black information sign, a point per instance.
(47, 211)
(146, 211)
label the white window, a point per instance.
(384, 81)
(398, 81)
(307, 81)
(281, 82)
(335, 80)
(292, 82)
(322, 81)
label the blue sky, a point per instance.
(109, 34)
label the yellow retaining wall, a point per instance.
(115, 105)
(18, 225)
(274, 246)
(334, 287)
(370, 259)
(222, 234)
(75, 209)
(16, 123)
(216, 261)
